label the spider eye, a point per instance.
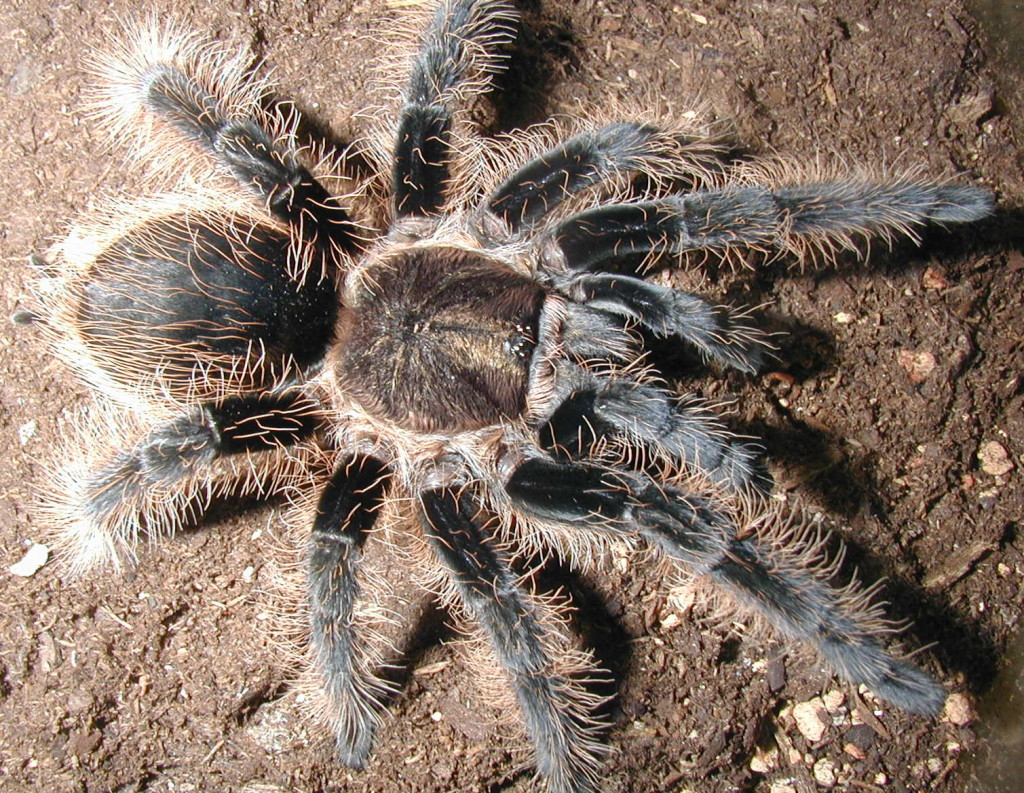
(522, 341)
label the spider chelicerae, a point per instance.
(446, 359)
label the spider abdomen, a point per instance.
(201, 310)
(439, 339)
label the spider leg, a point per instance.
(171, 472)
(718, 333)
(651, 418)
(345, 513)
(556, 713)
(168, 89)
(586, 159)
(700, 536)
(459, 53)
(826, 214)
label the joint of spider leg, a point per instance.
(349, 504)
(171, 451)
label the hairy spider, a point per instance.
(448, 360)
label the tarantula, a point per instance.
(467, 383)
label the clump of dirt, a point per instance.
(895, 412)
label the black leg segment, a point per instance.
(345, 513)
(460, 50)
(554, 711)
(597, 238)
(257, 422)
(718, 333)
(421, 160)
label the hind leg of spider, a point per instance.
(168, 474)
(696, 534)
(595, 409)
(557, 713)
(345, 514)
(837, 622)
(164, 91)
(586, 159)
(826, 214)
(459, 53)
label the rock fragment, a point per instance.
(812, 719)
(994, 458)
(959, 710)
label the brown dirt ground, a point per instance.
(158, 680)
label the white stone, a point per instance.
(811, 719)
(824, 773)
(35, 557)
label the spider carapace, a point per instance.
(439, 339)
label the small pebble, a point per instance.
(988, 498)
(27, 431)
(811, 719)
(994, 458)
(833, 700)
(959, 710)
(934, 278)
(682, 598)
(854, 751)
(670, 621)
(35, 557)
(776, 675)
(764, 760)
(918, 365)
(824, 773)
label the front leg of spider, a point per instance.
(700, 535)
